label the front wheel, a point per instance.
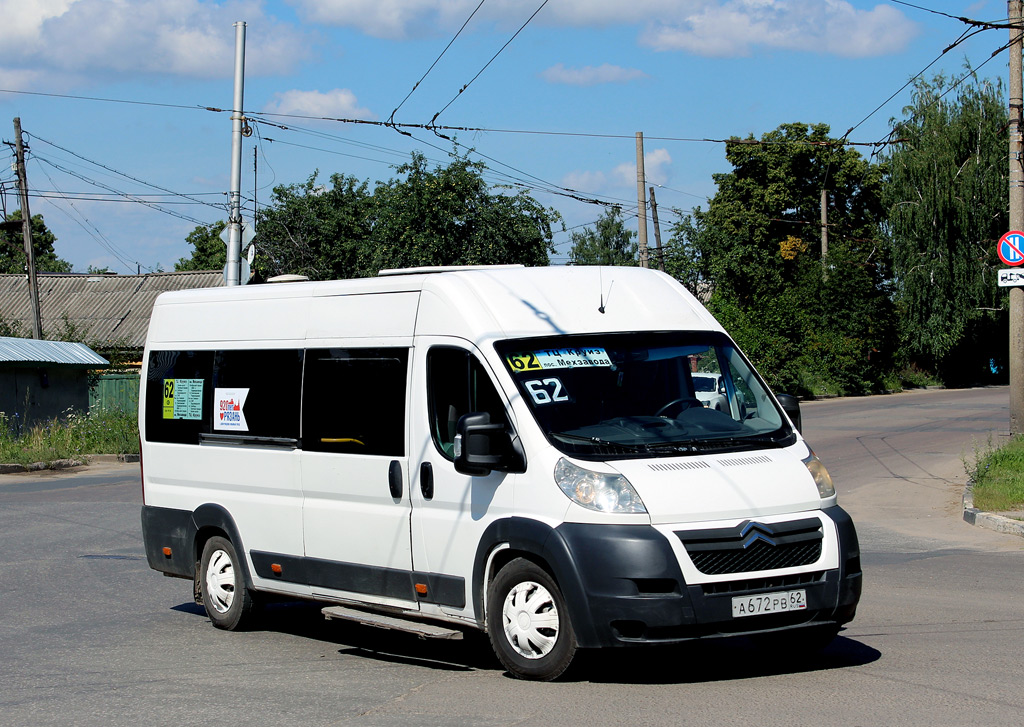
(528, 622)
(227, 601)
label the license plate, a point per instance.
(764, 603)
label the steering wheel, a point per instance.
(684, 403)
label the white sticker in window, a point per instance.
(228, 410)
(546, 391)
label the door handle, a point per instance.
(395, 479)
(427, 480)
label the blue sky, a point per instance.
(594, 72)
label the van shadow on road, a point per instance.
(697, 662)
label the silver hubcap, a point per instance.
(531, 620)
(220, 581)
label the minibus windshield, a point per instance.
(627, 395)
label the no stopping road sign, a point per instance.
(1011, 248)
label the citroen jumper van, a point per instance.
(517, 450)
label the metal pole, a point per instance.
(26, 231)
(235, 195)
(1016, 218)
(641, 199)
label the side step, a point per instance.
(394, 623)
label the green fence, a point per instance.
(115, 391)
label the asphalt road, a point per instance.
(90, 636)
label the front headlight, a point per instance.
(597, 490)
(822, 478)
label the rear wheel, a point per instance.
(528, 622)
(222, 584)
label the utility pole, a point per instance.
(641, 199)
(235, 195)
(824, 225)
(824, 234)
(657, 231)
(1016, 217)
(26, 231)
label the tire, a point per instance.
(227, 601)
(528, 622)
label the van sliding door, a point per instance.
(356, 503)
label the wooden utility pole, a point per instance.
(657, 231)
(641, 199)
(26, 231)
(1016, 218)
(824, 224)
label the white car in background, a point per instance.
(710, 389)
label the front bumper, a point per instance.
(629, 589)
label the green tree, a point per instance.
(607, 243)
(12, 248)
(947, 204)
(810, 321)
(315, 230)
(208, 251)
(449, 216)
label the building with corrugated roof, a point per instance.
(107, 310)
(111, 312)
(40, 380)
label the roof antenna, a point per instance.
(600, 282)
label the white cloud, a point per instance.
(335, 104)
(657, 170)
(591, 75)
(61, 39)
(402, 18)
(585, 181)
(702, 27)
(737, 27)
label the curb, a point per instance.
(63, 464)
(989, 520)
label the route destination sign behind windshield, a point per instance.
(559, 358)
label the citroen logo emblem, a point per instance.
(752, 532)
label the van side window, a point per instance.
(353, 401)
(458, 384)
(271, 380)
(178, 396)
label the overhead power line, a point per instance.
(984, 24)
(123, 174)
(125, 195)
(427, 127)
(507, 43)
(87, 225)
(436, 60)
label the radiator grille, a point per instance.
(753, 546)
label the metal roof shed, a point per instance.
(40, 380)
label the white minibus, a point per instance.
(516, 450)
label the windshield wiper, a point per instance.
(597, 441)
(723, 442)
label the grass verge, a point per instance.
(70, 436)
(998, 476)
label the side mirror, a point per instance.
(482, 447)
(791, 405)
